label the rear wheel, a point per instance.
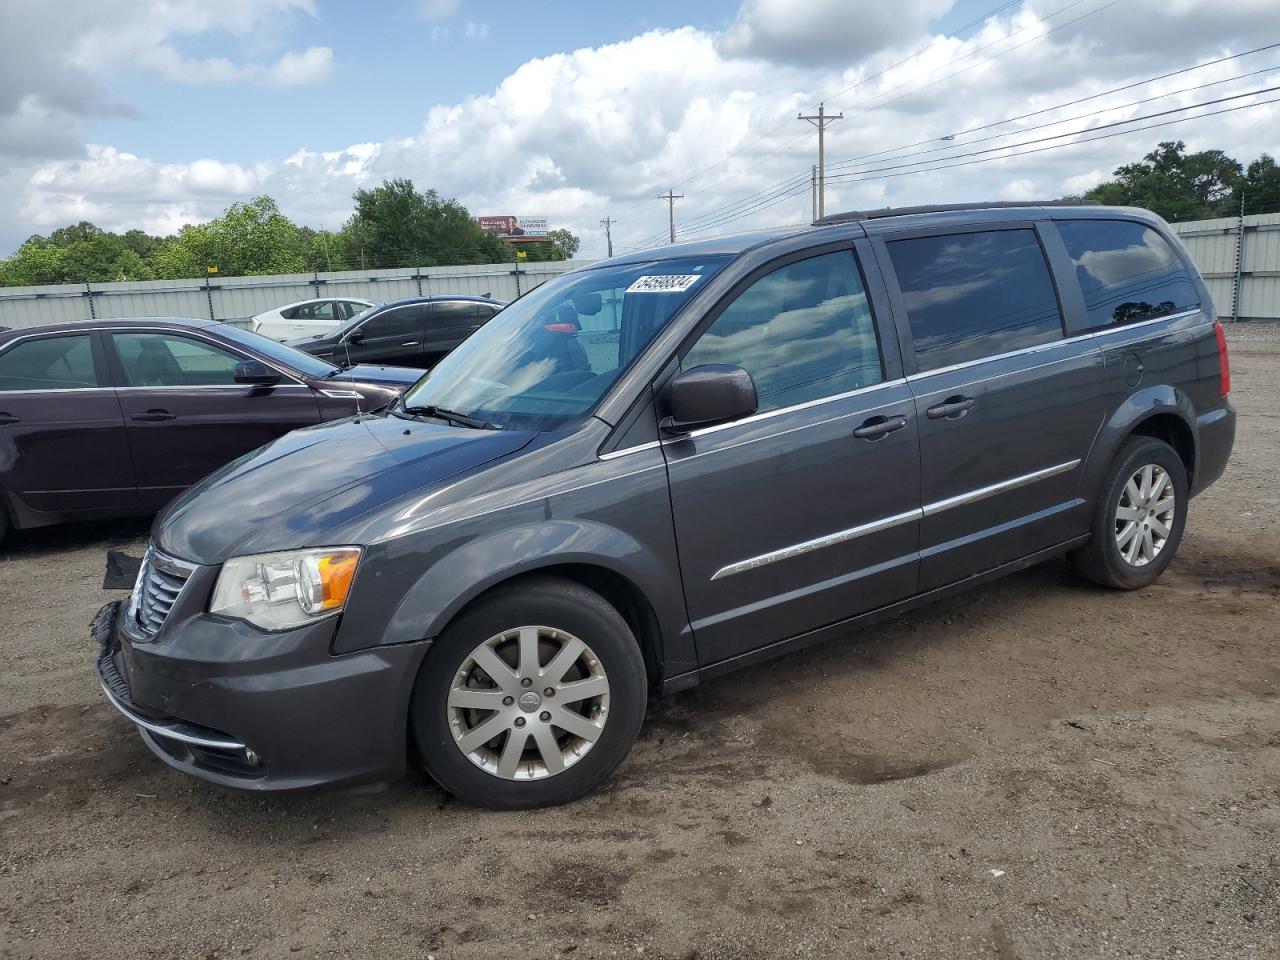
(531, 698)
(1139, 518)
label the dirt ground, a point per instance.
(1037, 769)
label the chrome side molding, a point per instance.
(897, 519)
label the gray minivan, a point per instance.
(668, 465)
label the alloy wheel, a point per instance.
(1144, 515)
(528, 703)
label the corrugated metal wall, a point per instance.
(236, 299)
(1213, 244)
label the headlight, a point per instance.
(276, 591)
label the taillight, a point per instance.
(1224, 365)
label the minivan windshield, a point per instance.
(548, 358)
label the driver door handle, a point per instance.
(877, 427)
(409, 343)
(8, 418)
(951, 408)
(154, 416)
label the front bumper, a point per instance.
(278, 711)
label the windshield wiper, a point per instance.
(449, 416)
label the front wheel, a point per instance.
(531, 698)
(1139, 518)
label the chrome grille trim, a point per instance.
(161, 580)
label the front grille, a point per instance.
(160, 582)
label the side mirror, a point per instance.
(255, 373)
(706, 395)
(355, 336)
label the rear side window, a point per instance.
(53, 363)
(1127, 271)
(447, 313)
(975, 295)
(803, 332)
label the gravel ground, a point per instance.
(1036, 769)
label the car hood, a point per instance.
(301, 489)
(398, 377)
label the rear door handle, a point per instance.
(877, 427)
(952, 408)
(154, 416)
(8, 418)
(411, 343)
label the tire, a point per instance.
(456, 701)
(1138, 563)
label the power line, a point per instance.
(1072, 103)
(753, 202)
(980, 20)
(1081, 116)
(1069, 133)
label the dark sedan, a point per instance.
(116, 417)
(415, 332)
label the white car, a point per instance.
(307, 318)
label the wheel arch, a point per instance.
(644, 590)
(1163, 412)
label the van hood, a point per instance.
(304, 488)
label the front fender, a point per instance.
(460, 575)
(1141, 405)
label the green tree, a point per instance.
(36, 262)
(1259, 188)
(396, 225)
(249, 239)
(566, 242)
(1173, 183)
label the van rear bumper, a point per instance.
(1217, 432)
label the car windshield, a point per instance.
(346, 325)
(304, 363)
(547, 359)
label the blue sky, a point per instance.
(391, 64)
(157, 113)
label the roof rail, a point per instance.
(947, 207)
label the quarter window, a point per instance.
(51, 363)
(803, 332)
(975, 295)
(1127, 271)
(162, 360)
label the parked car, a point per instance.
(414, 333)
(307, 318)
(765, 440)
(116, 417)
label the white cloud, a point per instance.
(297, 69)
(602, 131)
(477, 30)
(436, 9)
(825, 31)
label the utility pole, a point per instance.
(671, 199)
(813, 190)
(608, 222)
(820, 121)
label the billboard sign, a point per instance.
(510, 227)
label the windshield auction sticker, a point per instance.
(670, 283)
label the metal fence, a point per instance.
(1239, 258)
(236, 299)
